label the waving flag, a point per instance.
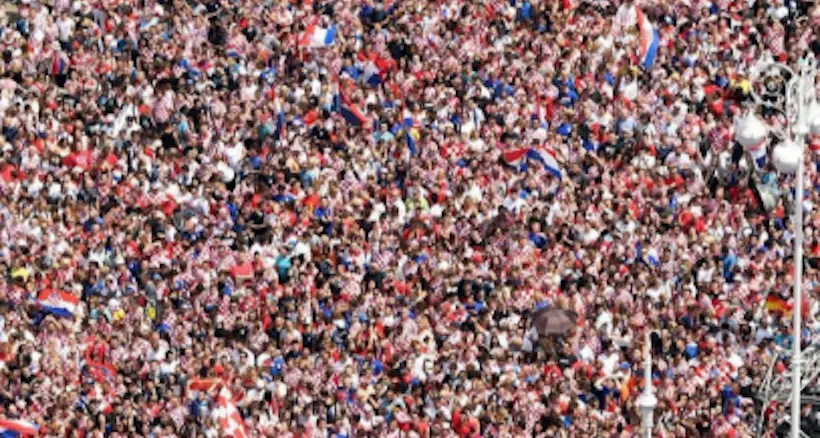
(204, 384)
(101, 371)
(777, 304)
(632, 17)
(58, 303)
(374, 68)
(372, 75)
(546, 157)
(227, 415)
(17, 428)
(649, 41)
(233, 50)
(350, 111)
(318, 36)
(324, 36)
(515, 157)
(192, 70)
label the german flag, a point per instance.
(777, 304)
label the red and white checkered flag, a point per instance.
(227, 416)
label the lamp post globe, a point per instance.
(750, 132)
(786, 157)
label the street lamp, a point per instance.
(647, 400)
(803, 118)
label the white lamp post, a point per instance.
(814, 119)
(647, 400)
(803, 117)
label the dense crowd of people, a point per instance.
(337, 218)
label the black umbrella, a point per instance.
(554, 321)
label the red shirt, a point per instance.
(311, 201)
(242, 270)
(81, 159)
(8, 172)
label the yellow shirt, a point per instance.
(744, 85)
(20, 272)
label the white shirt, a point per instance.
(610, 363)
(315, 87)
(65, 28)
(235, 154)
(477, 145)
(778, 13)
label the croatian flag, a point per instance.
(101, 371)
(372, 75)
(631, 16)
(545, 156)
(373, 68)
(350, 111)
(17, 428)
(318, 36)
(234, 48)
(58, 303)
(515, 158)
(191, 70)
(649, 40)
